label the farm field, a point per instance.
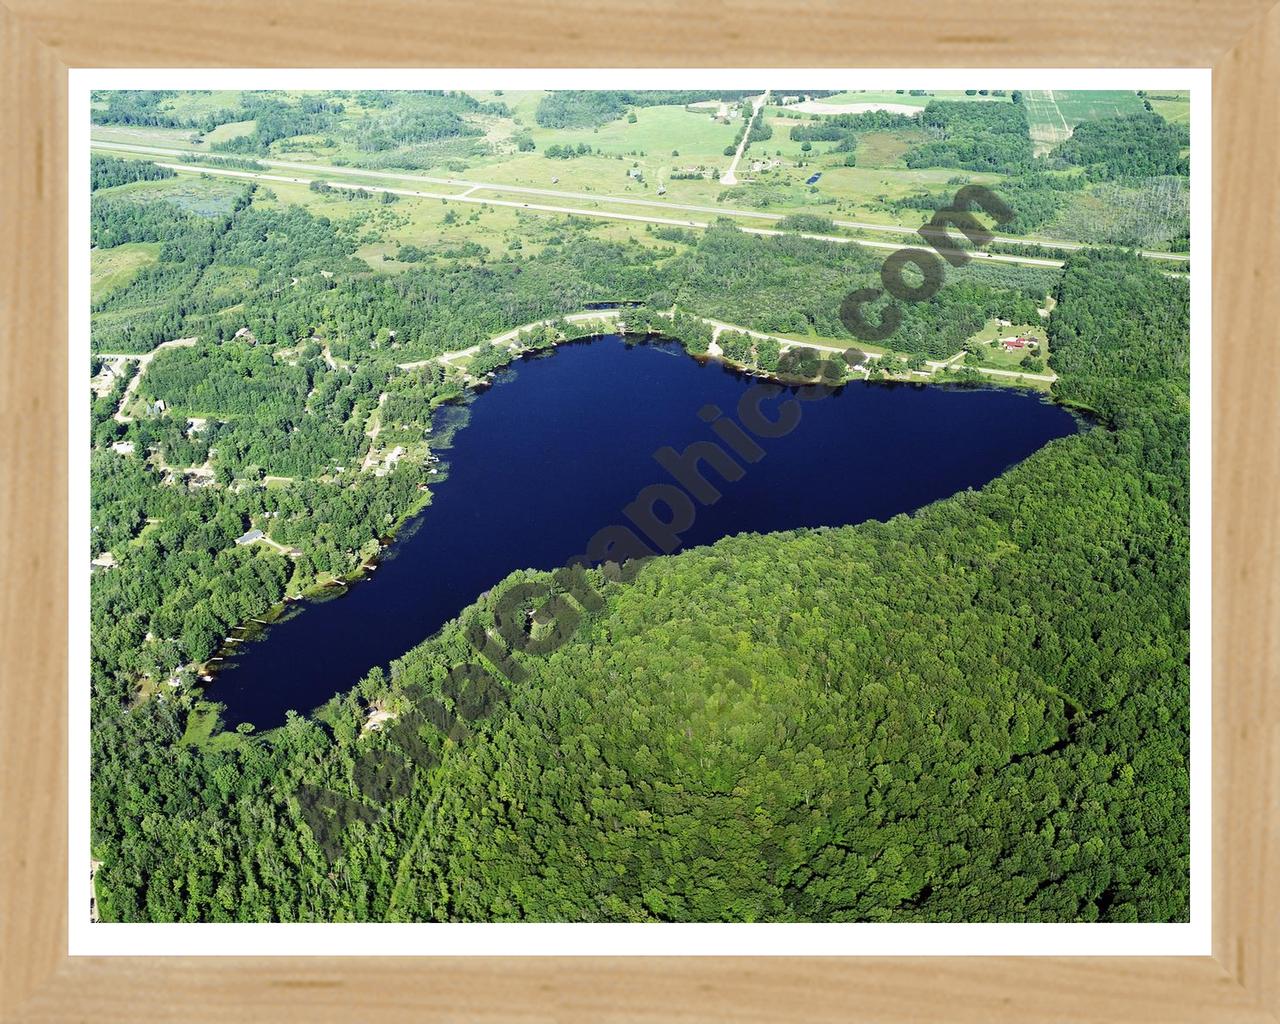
(856, 192)
(1096, 105)
(1053, 114)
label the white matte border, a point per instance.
(98, 939)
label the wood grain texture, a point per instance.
(33, 511)
(1246, 304)
(38, 40)
(658, 33)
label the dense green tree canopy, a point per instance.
(978, 712)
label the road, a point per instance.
(934, 364)
(143, 360)
(511, 336)
(221, 172)
(730, 176)
(717, 326)
(470, 185)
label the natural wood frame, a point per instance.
(40, 39)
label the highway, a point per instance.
(471, 185)
(470, 197)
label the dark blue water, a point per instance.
(561, 443)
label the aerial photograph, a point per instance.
(605, 505)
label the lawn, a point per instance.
(995, 356)
(202, 720)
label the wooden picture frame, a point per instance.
(42, 39)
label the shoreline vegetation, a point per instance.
(589, 325)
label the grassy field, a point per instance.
(230, 130)
(656, 132)
(522, 103)
(885, 149)
(1097, 104)
(173, 138)
(442, 229)
(201, 104)
(1172, 106)
(1053, 114)
(662, 141)
(110, 269)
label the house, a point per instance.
(1013, 344)
(123, 447)
(250, 537)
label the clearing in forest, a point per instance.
(1048, 126)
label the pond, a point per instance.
(562, 442)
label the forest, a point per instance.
(790, 284)
(975, 135)
(109, 171)
(977, 712)
(1035, 199)
(589, 108)
(1139, 146)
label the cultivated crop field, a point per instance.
(1053, 114)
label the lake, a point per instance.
(563, 441)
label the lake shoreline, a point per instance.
(598, 378)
